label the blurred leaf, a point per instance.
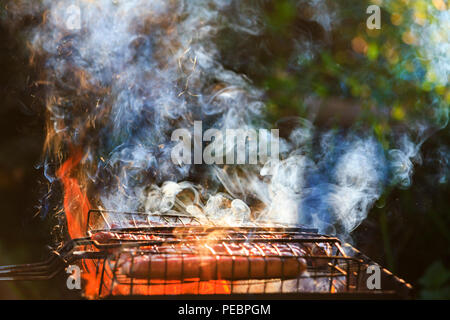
(436, 282)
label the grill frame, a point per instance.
(172, 228)
(298, 235)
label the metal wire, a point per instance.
(181, 243)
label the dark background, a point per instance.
(407, 231)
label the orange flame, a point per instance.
(76, 207)
(76, 203)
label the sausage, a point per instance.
(231, 262)
(208, 267)
(215, 260)
(318, 249)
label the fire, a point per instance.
(76, 203)
(76, 208)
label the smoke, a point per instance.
(331, 186)
(433, 39)
(124, 74)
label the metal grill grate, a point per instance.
(136, 254)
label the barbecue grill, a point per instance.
(126, 254)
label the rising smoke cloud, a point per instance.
(136, 70)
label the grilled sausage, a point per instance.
(209, 267)
(210, 261)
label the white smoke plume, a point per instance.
(135, 70)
